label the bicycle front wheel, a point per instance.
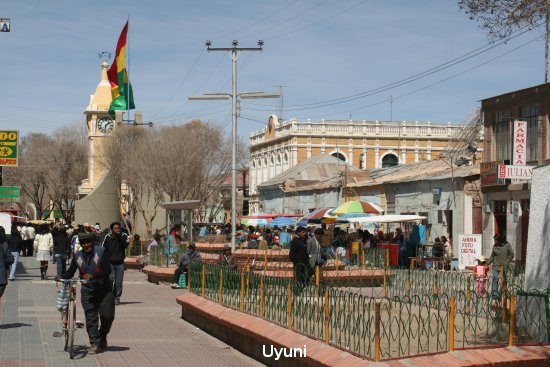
(66, 318)
(71, 326)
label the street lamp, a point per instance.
(233, 96)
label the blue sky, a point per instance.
(321, 51)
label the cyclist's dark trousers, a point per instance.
(98, 305)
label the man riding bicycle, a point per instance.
(94, 265)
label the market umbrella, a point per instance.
(282, 221)
(345, 218)
(357, 206)
(254, 222)
(313, 217)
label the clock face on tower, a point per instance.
(105, 125)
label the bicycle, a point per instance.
(66, 303)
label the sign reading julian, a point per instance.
(520, 141)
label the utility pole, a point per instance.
(4, 27)
(234, 53)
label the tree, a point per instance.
(499, 18)
(30, 175)
(67, 168)
(50, 170)
(175, 163)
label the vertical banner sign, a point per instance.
(469, 247)
(4, 24)
(520, 140)
(8, 148)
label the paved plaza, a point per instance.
(147, 331)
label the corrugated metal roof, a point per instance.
(322, 168)
(425, 170)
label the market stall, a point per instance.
(393, 248)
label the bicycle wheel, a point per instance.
(66, 317)
(71, 326)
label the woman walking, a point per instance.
(43, 243)
(14, 244)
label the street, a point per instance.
(147, 331)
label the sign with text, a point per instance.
(4, 24)
(489, 173)
(520, 140)
(469, 249)
(9, 194)
(515, 172)
(8, 148)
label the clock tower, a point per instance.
(99, 126)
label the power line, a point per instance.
(398, 83)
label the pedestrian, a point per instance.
(299, 256)
(94, 266)
(480, 273)
(14, 243)
(284, 238)
(316, 256)
(501, 256)
(43, 244)
(25, 239)
(31, 234)
(448, 250)
(61, 249)
(6, 260)
(115, 243)
(190, 256)
(402, 247)
(227, 259)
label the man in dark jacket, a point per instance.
(299, 257)
(61, 248)
(94, 265)
(188, 257)
(115, 243)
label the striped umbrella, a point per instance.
(313, 217)
(357, 206)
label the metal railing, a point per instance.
(395, 322)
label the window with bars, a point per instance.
(502, 141)
(531, 114)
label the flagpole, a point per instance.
(128, 68)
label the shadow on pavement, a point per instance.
(14, 325)
(128, 303)
(116, 349)
(80, 351)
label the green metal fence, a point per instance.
(407, 322)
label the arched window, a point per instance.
(390, 160)
(339, 155)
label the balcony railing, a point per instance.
(406, 129)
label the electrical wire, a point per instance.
(469, 55)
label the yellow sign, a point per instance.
(8, 148)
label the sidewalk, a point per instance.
(147, 331)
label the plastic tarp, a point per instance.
(389, 218)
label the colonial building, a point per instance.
(507, 202)
(362, 144)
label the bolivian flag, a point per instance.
(121, 90)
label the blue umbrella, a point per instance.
(282, 221)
